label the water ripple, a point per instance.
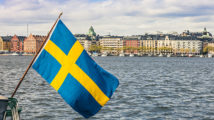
(150, 88)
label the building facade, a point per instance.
(131, 44)
(83, 39)
(5, 43)
(171, 44)
(16, 43)
(111, 44)
(149, 43)
(32, 43)
(187, 46)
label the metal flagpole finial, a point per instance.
(60, 14)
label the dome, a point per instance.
(91, 32)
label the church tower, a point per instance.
(91, 33)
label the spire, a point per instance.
(205, 31)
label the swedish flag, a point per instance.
(67, 67)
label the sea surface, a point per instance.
(153, 88)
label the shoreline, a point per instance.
(199, 56)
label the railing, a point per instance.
(9, 109)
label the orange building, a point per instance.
(32, 43)
(16, 43)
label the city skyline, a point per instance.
(117, 17)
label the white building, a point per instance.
(112, 43)
(179, 46)
(187, 46)
(84, 41)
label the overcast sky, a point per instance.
(117, 17)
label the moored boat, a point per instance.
(149, 55)
(95, 54)
(209, 55)
(131, 55)
(121, 54)
(201, 56)
(168, 55)
(190, 55)
(161, 55)
(14, 53)
(103, 55)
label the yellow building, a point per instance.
(5, 43)
(149, 42)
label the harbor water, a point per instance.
(150, 88)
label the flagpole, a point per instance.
(37, 53)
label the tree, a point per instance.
(182, 50)
(144, 49)
(208, 49)
(193, 50)
(94, 48)
(187, 50)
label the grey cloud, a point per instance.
(119, 16)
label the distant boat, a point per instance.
(168, 55)
(95, 54)
(190, 55)
(201, 56)
(210, 56)
(131, 55)
(139, 54)
(89, 53)
(14, 53)
(161, 55)
(25, 54)
(121, 54)
(104, 55)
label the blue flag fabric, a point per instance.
(67, 67)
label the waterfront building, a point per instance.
(111, 44)
(84, 40)
(5, 43)
(32, 43)
(164, 44)
(16, 43)
(149, 43)
(171, 44)
(211, 44)
(187, 46)
(174, 44)
(209, 48)
(131, 44)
